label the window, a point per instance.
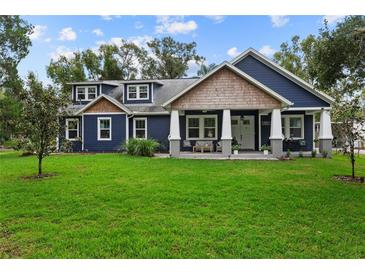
(137, 92)
(140, 128)
(72, 129)
(85, 93)
(104, 128)
(201, 127)
(293, 126)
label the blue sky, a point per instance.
(218, 38)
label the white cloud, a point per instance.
(217, 19)
(49, 39)
(98, 32)
(333, 19)
(279, 21)
(62, 51)
(267, 50)
(138, 25)
(109, 17)
(174, 25)
(233, 52)
(67, 34)
(38, 32)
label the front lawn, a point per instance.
(115, 206)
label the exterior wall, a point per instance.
(103, 106)
(225, 89)
(294, 146)
(125, 96)
(158, 128)
(76, 145)
(91, 142)
(107, 89)
(280, 84)
(84, 102)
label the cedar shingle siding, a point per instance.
(103, 106)
(225, 89)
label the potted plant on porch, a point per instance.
(236, 148)
(265, 148)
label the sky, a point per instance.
(218, 38)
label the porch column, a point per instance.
(325, 133)
(174, 136)
(226, 138)
(276, 136)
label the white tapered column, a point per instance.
(276, 136)
(226, 138)
(325, 133)
(174, 136)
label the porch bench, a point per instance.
(203, 146)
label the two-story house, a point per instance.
(250, 100)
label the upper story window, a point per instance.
(138, 92)
(85, 93)
(293, 126)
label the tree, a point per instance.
(39, 124)
(351, 115)
(204, 69)
(14, 46)
(172, 58)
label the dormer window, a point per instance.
(85, 93)
(138, 92)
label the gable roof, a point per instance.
(284, 72)
(245, 76)
(110, 99)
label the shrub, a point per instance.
(66, 146)
(141, 147)
(265, 147)
(236, 147)
(288, 153)
(324, 154)
(314, 153)
(300, 154)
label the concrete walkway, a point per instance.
(219, 156)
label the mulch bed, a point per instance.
(36, 177)
(349, 179)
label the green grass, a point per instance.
(116, 206)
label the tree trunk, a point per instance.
(39, 167)
(352, 155)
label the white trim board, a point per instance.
(284, 72)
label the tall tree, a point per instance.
(172, 58)
(14, 46)
(204, 69)
(39, 124)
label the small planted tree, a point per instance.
(39, 122)
(350, 114)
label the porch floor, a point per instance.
(252, 155)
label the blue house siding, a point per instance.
(76, 145)
(107, 89)
(91, 142)
(126, 101)
(75, 102)
(282, 85)
(294, 146)
(158, 128)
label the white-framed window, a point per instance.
(138, 92)
(104, 128)
(72, 129)
(201, 127)
(85, 93)
(293, 126)
(140, 128)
